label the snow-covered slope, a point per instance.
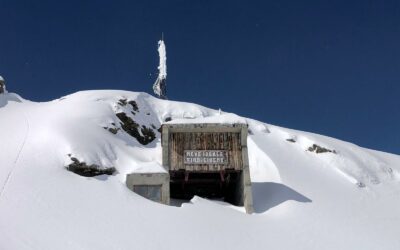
(345, 199)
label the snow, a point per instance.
(151, 167)
(1, 78)
(302, 200)
(163, 60)
(159, 87)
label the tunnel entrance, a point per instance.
(213, 185)
(208, 160)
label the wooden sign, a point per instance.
(205, 157)
(203, 149)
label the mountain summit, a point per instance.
(310, 191)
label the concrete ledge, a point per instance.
(150, 179)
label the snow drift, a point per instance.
(309, 191)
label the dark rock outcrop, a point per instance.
(81, 168)
(122, 102)
(144, 137)
(318, 149)
(134, 106)
(112, 130)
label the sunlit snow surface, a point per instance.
(303, 200)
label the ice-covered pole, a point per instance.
(163, 60)
(159, 87)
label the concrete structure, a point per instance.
(208, 160)
(153, 185)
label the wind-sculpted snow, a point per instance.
(344, 197)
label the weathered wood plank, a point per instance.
(180, 141)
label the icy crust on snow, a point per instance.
(302, 199)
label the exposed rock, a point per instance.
(144, 137)
(291, 140)
(122, 102)
(318, 149)
(134, 105)
(81, 168)
(112, 130)
(148, 133)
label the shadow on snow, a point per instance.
(267, 195)
(7, 97)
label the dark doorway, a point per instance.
(214, 185)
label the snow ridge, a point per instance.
(344, 198)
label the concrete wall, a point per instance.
(151, 179)
(247, 196)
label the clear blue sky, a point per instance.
(329, 67)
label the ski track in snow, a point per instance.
(17, 157)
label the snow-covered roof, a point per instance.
(149, 167)
(224, 118)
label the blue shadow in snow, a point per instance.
(8, 97)
(267, 195)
